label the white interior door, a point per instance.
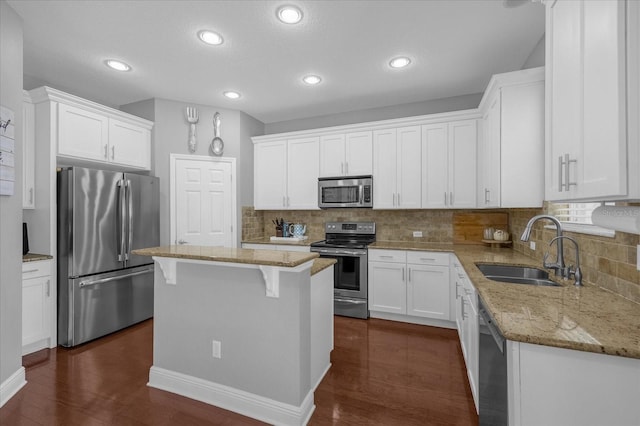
(203, 205)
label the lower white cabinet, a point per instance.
(563, 387)
(37, 299)
(278, 247)
(411, 283)
(467, 322)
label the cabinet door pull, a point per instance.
(398, 199)
(113, 152)
(106, 152)
(30, 195)
(451, 198)
(284, 201)
(445, 198)
(346, 168)
(402, 274)
(487, 200)
(342, 168)
(48, 287)
(567, 171)
(409, 274)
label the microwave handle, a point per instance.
(361, 191)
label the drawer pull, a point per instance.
(427, 259)
(29, 271)
(386, 257)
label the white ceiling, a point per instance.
(455, 45)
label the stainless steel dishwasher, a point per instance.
(492, 372)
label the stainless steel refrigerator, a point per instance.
(102, 217)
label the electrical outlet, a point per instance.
(417, 234)
(532, 245)
(217, 349)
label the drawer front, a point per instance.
(394, 256)
(428, 258)
(39, 268)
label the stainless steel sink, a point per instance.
(516, 274)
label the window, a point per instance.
(576, 217)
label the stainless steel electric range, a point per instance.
(347, 242)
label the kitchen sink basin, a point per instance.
(516, 274)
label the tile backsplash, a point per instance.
(607, 262)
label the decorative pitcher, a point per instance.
(297, 230)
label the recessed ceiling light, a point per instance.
(289, 14)
(210, 37)
(311, 79)
(117, 65)
(231, 94)
(399, 62)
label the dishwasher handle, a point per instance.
(493, 328)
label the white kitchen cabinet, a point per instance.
(349, 154)
(270, 175)
(467, 321)
(592, 79)
(511, 151)
(129, 144)
(449, 164)
(36, 305)
(302, 174)
(411, 283)
(82, 132)
(397, 168)
(28, 153)
(286, 174)
(428, 291)
(574, 387)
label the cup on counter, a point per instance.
(488, 233)
(285, 229)
(297, 229)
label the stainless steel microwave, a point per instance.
(353, 191)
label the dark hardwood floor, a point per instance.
(383, 373)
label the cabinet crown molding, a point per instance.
(374, 125)
(46, 93)
(498, 81)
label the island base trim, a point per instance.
(12, 385)
(241, 402)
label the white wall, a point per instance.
(456, 103)
(170, 134)
(536, 58)
(11, 206)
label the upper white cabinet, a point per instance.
(511, 149)
(349, 154)
(286, 174)
(397, 168)
(592, 76)
(449, 164)
(83, 132)
(28, 153)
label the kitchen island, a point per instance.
(241, 329)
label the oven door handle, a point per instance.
(342, 252)
(351, 301)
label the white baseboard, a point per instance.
(413, 320)
(245, 403)
(12, 385)
(324, 373)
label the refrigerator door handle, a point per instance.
(118, 277)
(129, 199)
(122, 214)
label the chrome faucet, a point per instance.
(568, 273)
(559, 267)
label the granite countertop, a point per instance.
(292, 242)
(587, 319)
(33, 257)
(285, 259)
(321, 264)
